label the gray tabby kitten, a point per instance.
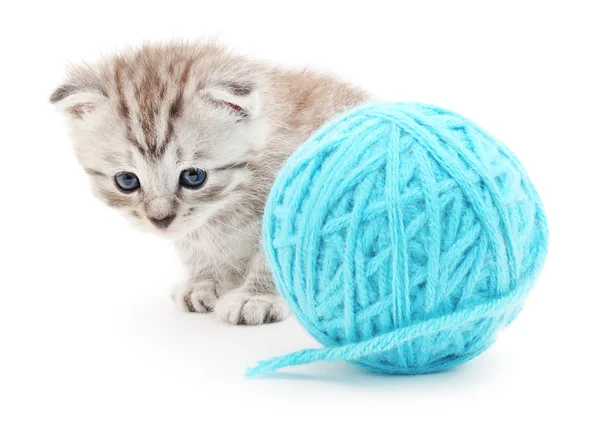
(186, 139)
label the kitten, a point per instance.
(186, 139)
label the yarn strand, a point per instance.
(389, 340)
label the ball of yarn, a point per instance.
(403, 237)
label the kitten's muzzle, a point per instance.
(162, 223)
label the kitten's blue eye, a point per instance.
(192, 178)
(127, 182)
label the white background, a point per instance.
(82, 344)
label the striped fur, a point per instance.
(161, 109)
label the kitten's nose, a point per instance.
(162, 223)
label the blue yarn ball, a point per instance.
(402, 237)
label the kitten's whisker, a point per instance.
(232, 227)
(223, 256)
(227, 246)
(229, 235)
(215, 264)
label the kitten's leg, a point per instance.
(256, 301)
(196, 295)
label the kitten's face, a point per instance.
(199, 172)
(168, 154)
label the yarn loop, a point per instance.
(403, 237)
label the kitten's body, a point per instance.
(162, 109)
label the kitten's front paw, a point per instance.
(241, 307)
(196, 297)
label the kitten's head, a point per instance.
(167, 133)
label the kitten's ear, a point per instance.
(241, 99)
(80, 96)
(75, 103)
